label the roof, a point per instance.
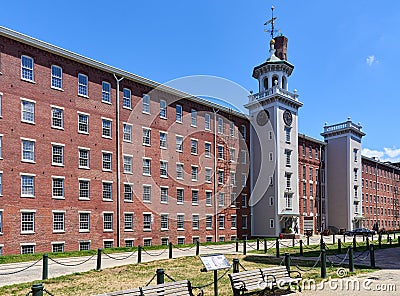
(304, 136)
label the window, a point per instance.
(58, 222)
(195, 173)
(106, 128)
(146, 193)
(82, 85)
(244, 156)
(84, 222)
(1, 103)
(164, 221)
(244, 222)
(208, 198)
(232, 154)
(57, 120)
(58, 187)
(271, 223)
(163, 169)
(108, 221)
(288, 154)
(233, 199)
(221, 176)
(207, 121)
(311, 207)
(127, 100)
(311, 190)
(28, 249)
(1, 193)
(356, 175)
(179, 195)
(221, 199)
(180, 221)
(178, 109)
(243, 131)
(84, 189)
(83, 158)
(128, 192)
(28, 111)
(128, 221)
(287, 134)
(208, 174)
(179, 143)
(220, 125)
(244, 179)
(221, 221)
(27, 68)
(288, 177)
(232, 129)
(163, 109)
(193, 146)
(233, 178)
(208, 222)
(146, 136)
(355, 155)
(310, 174)
(244, 201)
(108, 244)
(181, 240)
(27, 186)
(28, 150)
(195, 197)
(27, 222)
(84, 246)
(56, 248)
(207, 149)
(105, 92)
(288, 200)
(220, 151)
(271, 156)
(83, 123)
(147, 222)
(58, 155)
(195, 221)
(107, 165)
(304, 206)
(179, 171)
(317, 153)
(107, 191)
(163, 140)
(127, 164)
(193, 114)
(164, 195)
(127, 132)
(146, 104)
(310, 151)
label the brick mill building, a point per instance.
(93, 156)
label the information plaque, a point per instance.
(215, 262)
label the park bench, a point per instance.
(172, 288)
(130, 292)
(263, 279)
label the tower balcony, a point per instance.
(273, 91)
(343, 127)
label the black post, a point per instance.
(235, 265)
(237, 246)
(333, 239)
(277, 248)
(287, 261)
(390, 241)
(160, 276)
(367, 243)
(301, 248)
(388, 236)
(98, 265)
(308, 240)
(363, 238)
(351, 260)
(380, 241)
(293, 242)
(354, 243)
(265, 246)
(398, 240)
(344, 238)
(139, 254)
(37, 289)
(372, 238)
(258, 244)
(215, 282)
(322, 244)
(323, 263)
(339, 245)
(198, 248)
(170, 250)
(244, 247)
(372, 255)
(45, 271)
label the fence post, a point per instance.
(293, 243)
(258, 244)
(308, 240)
(235, 265)
(237, 246)
(265, 246)
(37, 289)
(367, 240)
(301, 248)
(287, 261)
(98, 265)
(323, 263)
(170, 250)
(380, 241)
(339, 245)
(351, 259)
(372, 238)
(390, 241)
(333, 239)
(363, 238)
(354, 243)
(322, 244)
(160, 276)
(398, 240)
(372, 255)
(197, 248)
(139, 254)
(277, 247)
(344, 238)
(45, 271)
(244, 247)
(388, 236)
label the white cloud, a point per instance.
(388, 154)
(372, 153)
(392, 152)
(371, 60)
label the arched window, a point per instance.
(266, 83)
(284, 82)
(275, 80)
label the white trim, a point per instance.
(27, 174)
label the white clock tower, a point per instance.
(274, 146)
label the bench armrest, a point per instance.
(298, 274)
(270, 276)
(242, 287)
(201, 293)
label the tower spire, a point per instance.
(271, 21)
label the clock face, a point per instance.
(262, 117)
(287, 117)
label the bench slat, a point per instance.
(130, 292)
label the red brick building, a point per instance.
(93, 156)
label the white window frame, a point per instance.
(146, 136)
(53, 187)
(30, 176)
(195, 202)
(83, 86)
(146, 169)
(146, 187)
(31, 141)
(55, 118)
(82, 182)
(103, 162)
(83, 124)
(57, 155)
(164, 192)
(127, 132)
(207, 122)
(163, 140)
(106, 92)
(27, 70)
(180, 200)
(108, 215)
(209, 196)
(83, 223)
(106, 128)
(178, 113)
(107, 195)
(180, 172)
(179, 143)
(59, 222)
(193, 117)
(31, 221)
(127, 100)
(195, 173)
(163, 109)
(24, 111)
(194, 146)
(128, 164)
(146, 104)
(207, 152)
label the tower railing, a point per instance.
(343, 125)
(272, 91)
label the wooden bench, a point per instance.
(265, 279)
(130, 292)
(180, 288)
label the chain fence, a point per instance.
(69, 265)
(21, 270)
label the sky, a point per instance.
(345, 53)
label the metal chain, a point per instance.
(184, 250)
(169, 277)
(48, 292)
(123, 258)
(25, 268)
(315, 264)
(77, 264)
(240, 264)
(209, 284)
(154, 276)
(154, 255)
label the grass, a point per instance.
(130, 276)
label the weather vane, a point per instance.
(272, 22)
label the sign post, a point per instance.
(215, 262)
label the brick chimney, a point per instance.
(281, 47)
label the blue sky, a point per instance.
(346, 53)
